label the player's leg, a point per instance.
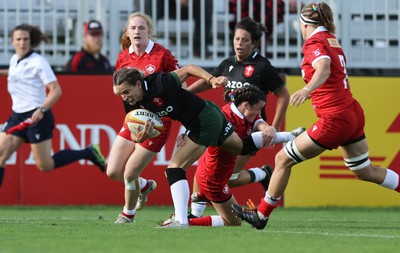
(294, 152)
(8, 145)
(119, 154)
(356, 158)
(182, 159)
(225, 215)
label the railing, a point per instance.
(367, 29)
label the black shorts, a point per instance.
(41, 131)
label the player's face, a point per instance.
(93, 42)
(242, 44)
(21, 42)
(303, 30)
(138, 31)
(130, 94)
(250, 112)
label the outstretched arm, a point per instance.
(193, 70)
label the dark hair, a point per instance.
(35, 34)
(249, 93)
(255, 29)
(128, 76)
(321, 13)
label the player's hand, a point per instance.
(220, 81)
(144, 134)
(299, 97)
(180, 141)
(269, 136)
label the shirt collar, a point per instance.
(319, 29)
(236, 111)
(147, 50)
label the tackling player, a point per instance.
(341, 118)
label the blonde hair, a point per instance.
(125, 41)
(321, 14)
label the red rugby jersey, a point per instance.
(335, 93)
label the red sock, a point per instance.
(145, 187)
(130, 216)
(398, 187)
(265, 208)
(203, 221)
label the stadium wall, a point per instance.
(88, 112)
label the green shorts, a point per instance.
(210, 128)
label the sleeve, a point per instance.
(274, 81)
(45, 72)
(218, 70)
(314, 50)
(170, 63)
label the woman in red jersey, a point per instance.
(341, 118)
(215, 166)
(127, 159)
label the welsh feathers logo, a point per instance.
(248, 71)
(150, 68)
(157, 101)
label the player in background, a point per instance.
(128, 159)
(29, 76)
(341, 118)
(247, 67)
(162, 93)
(215, 166)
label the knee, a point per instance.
(44, 166)
(131, 175)
(114, 174)
(281, 159)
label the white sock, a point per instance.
(283, 137)
(391, 180)
(142, 182)
(129, 212)
(216, 221)
(259, 174)
(197, 208)
(180, 196)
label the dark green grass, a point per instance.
(91, 229)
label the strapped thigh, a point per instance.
(293, 153)
(359, 162)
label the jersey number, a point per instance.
(343, 63)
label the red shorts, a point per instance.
(212, 174)
(152, 144)
(339, 128)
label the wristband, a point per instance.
(209, 80)
(307, 89)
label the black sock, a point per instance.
(2, 170)
(68, 156)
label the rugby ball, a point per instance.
(136, 119)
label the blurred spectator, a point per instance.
(208, 7)
(256, 13)
(89, 59)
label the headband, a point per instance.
(308, 21)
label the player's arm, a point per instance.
(193, 70)
(3, 72)
(54, 93)
(282, 102)
(322, 72)
(199, 86)
(269, 132)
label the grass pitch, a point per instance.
(91, 229)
